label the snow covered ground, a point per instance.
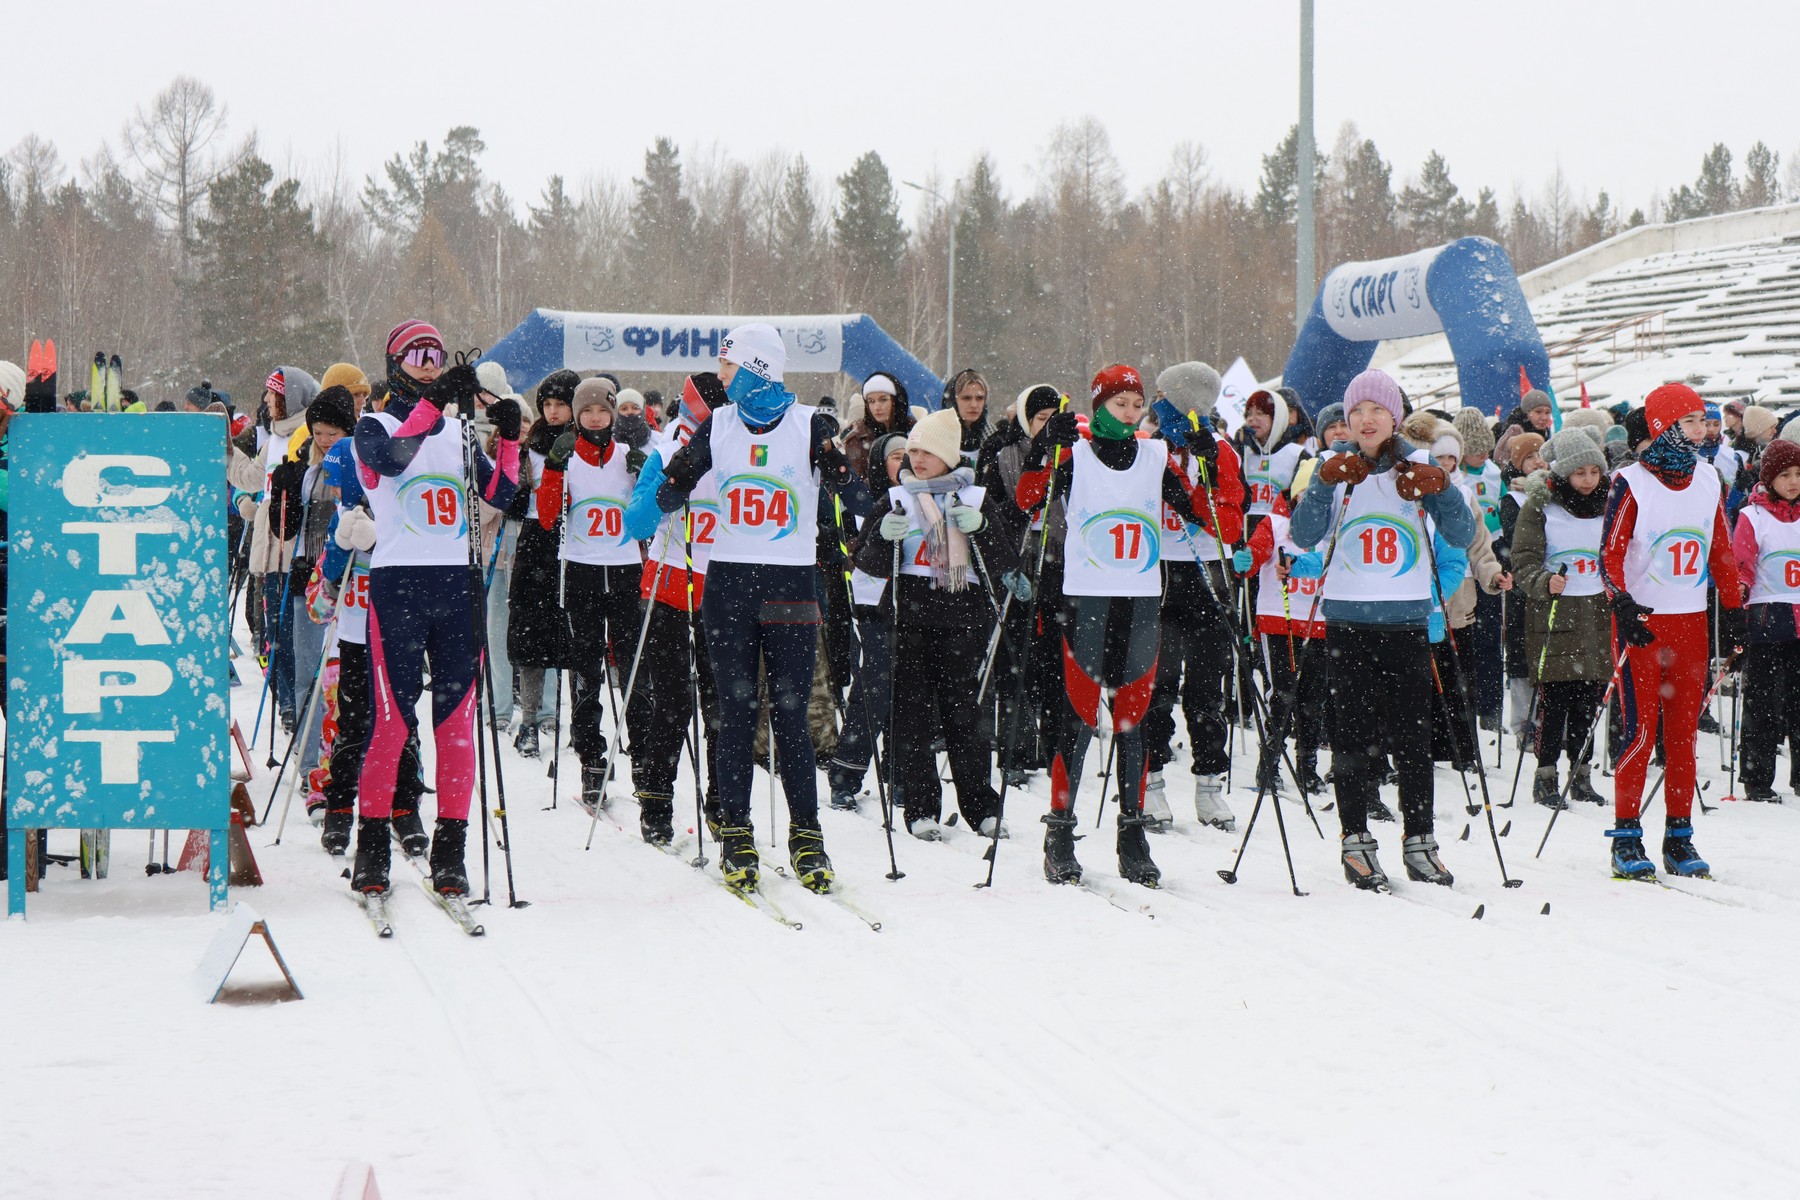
(636, 1031)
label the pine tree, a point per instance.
(869, 236)
(1277, 193)
(1716, 188)
(659, 248)
(980, 290)
(799, 237)
(257, 296)
(1762, 178)
(1435, 211)
(1485, 220)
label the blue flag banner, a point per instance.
(117, 677)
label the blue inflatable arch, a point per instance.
(549, 340)
(1466, 290)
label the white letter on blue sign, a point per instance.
(83, 689)
(129, 614)
(118, 749)
(118, 539)
(83, 487)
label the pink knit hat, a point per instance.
(1374, 385)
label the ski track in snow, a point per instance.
(638, 1032)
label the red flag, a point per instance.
(1584, 397)
(1524, 382)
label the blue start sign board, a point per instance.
(116, 676)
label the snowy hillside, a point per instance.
(637, 1031)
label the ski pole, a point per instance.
(1462, 682)
(1500, 722)
(562, 673)
(693, 663)
(612, 760)
(314, 694)
(1562, 572)
(863, 691)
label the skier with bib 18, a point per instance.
(770, 456)
(1379, 491)
(1115, 486)
(1664, 539)
(411, 462)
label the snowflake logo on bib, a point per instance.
(431, 506)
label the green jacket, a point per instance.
(1580, 647)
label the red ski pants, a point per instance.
(1668, 677)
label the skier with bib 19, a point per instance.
(770, 456)
(411, 462)
(1379, 490)
(1115, 486)
(1664, 538)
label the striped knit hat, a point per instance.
(412, 333)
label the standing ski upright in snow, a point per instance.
(1116, 485)
(1369, 505)
(1664, 538)
(770, 456)
(412, 465)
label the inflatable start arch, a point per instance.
(549, 340)
(1466, 290)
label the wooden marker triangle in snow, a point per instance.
(215, 966)
(357, 1183)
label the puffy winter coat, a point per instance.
(1764, 622)
(537, 633)
(1581, 643)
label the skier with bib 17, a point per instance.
(770, 456)
(1373, 504)
(1664, 539)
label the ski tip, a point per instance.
(1544, 911)
(1465, 834)
(1506, 829)
(1480, 912)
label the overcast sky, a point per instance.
(1626, 96)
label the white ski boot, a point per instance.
(1210, 807)
(1156, 803)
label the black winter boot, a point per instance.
(1544, 789)
(372, 855)
(806, 853)
(1135, 865)
(1059, 848)
(656, 818)
(336, 836)
(411, 832)
(593, 788)
(447, 841)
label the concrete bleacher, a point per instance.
(1714, 302)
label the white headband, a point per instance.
(880, 383)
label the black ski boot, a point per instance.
(1544, 789)
(656, 818)
(1679, 855)
(738, 860)
(1059, 848)
(527, 741)
(1628, 858)
(1134, 852)
(714, 818)
(372, 856)
(593, 788)
(1581, 784)
(806, 853)
(1378, 811)
(336, 836)
(1361, 867)
(411, 832)
(1420, 854)
(447, 841)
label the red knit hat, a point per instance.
(1668, 404)
(1776, 458)
(413, 333)
(1115, 379)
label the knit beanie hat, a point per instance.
(333, 406)
(1616, 436)
(348, 376)
(1420, 428)
(940, 433)
(1777, 458)
(1668, 404)
(558, 385)
(1589, 418)
(1533, 400)
(1115, 380)
(1446, 442)
(632, 395)
(885, 445)
(1525, 445)
(1759, 421)
(1477, 435)
(12, 384)
(1637, 427)
(1330, 415)
(756, 347)
(1572, 449)
(1035, 399)
(598, 390)
(1378, 386)
(1191, 387)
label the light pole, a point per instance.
(950, 300)
(1304, 271)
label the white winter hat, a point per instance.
(756, 347)
(493, 380)
(12, 382)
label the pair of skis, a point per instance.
(106, 382)
(377, 909)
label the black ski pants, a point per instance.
(657, 741)
(1565, 710)
(937, 670)
(605, 615)
(1381, 698)
(1194, 663)
(1771, 708)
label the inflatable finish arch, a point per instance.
(1466, 290)
(852, 343)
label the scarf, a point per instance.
(544, 437)
(1670, 457)
(760, 402)
(946, 546)
(595, 437)
(1104, 425)
(1579, 506)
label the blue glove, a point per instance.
(1242, 561)
(1310, 565)
(1452, 567)
(1020, 587)
(1434, 627)
(1171, 422)
(642, 516)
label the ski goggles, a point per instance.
(424, 355)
